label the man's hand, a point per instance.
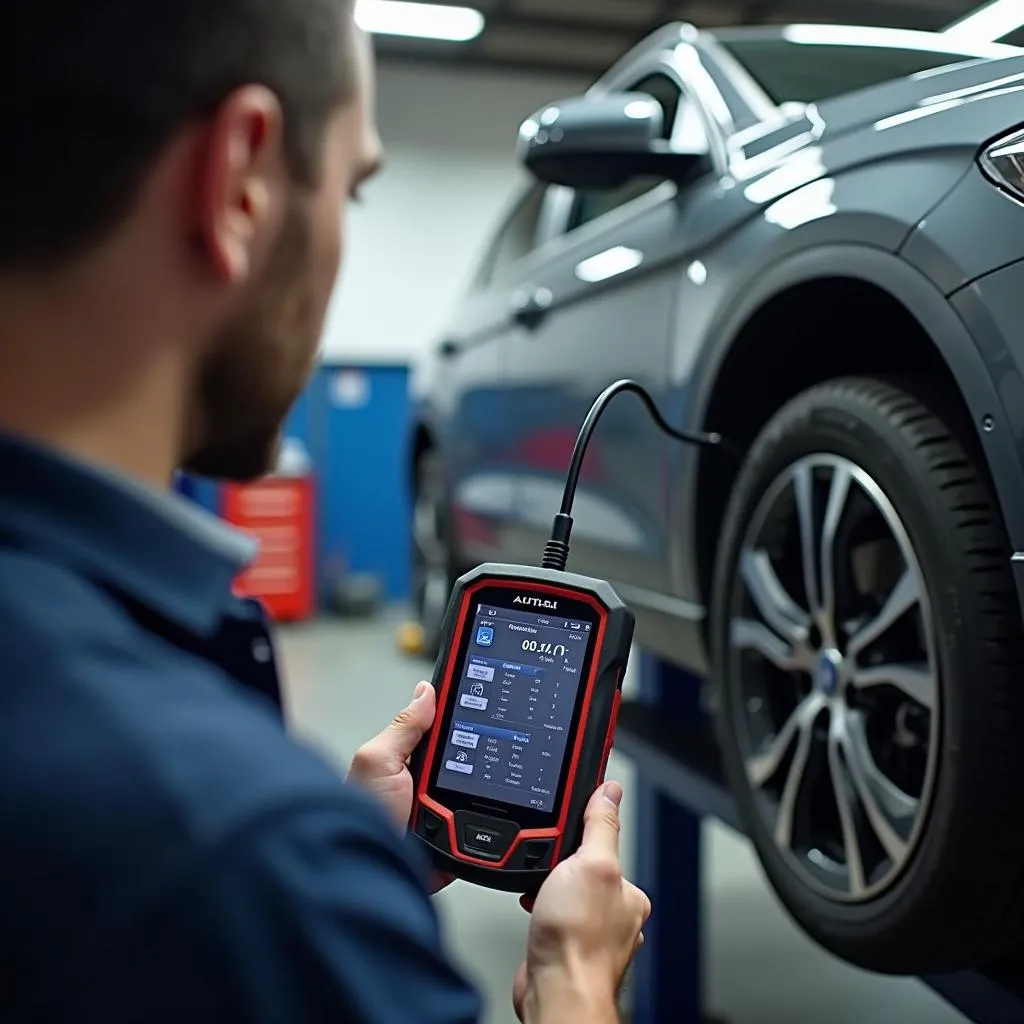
(586, 926)
(382, 766)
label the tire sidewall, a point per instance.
(823, 423)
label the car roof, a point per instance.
(861, 35)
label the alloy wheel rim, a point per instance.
(838, 715)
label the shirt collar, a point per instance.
(158, 548)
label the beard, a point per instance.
(259, 365)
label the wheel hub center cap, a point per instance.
(828, 672)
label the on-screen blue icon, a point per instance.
(485, 636)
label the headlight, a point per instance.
(1003, 163)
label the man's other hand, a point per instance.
(586, 925)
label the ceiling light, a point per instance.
(419, 21)
(993, 21)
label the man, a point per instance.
(170, 188)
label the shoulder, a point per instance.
(151, 756)
(51, 615)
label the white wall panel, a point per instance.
(450, 172)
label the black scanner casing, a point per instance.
(521, 871)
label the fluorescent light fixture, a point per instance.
(608, 264)
(993, 21)
(419, 21)
(899, 39)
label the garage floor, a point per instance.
(345, 681)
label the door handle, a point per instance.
(448, 349)
(530, 307)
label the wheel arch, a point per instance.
(903, 324)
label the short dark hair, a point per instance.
(91, 91)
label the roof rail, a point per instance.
(665, 38)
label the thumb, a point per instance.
(601, 820)
(410, 725)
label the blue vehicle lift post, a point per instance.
(669, 979)
(679, 783)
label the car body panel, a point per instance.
(976, 229)
(466, 423)
(957, 336)
(718, 287)
(552, 374)
(924, 97)
(990, 309)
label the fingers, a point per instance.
(601, 821)
(410, 725)
(440, 881)
(519, 989)
(639, 906)
(639, 900)
(389, 751)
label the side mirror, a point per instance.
(602, 142)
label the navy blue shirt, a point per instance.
(167, 853)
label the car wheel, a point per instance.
(433, 562)
(867, 641)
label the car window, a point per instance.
(593, 203)
(798, 72)
(516, 238)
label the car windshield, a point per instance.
(803, 68)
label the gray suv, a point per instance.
(810, 240)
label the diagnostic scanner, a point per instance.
(528, 687)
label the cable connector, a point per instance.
(556, 551)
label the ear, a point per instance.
(242, 176)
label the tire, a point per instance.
(433, 560)
(932, 702)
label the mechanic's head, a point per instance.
(172, 186)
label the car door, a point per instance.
(467, 390)
(602, 306)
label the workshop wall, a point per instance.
(450, 173)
